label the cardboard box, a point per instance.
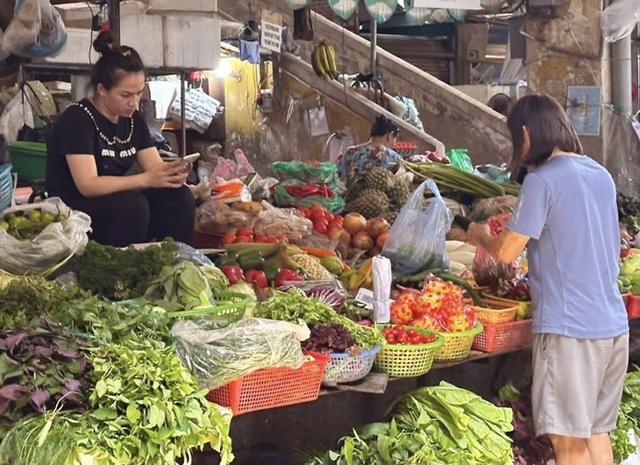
(191, 41)
(203, 6)
(143, 32)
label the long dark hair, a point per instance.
(381, 126)
(114, 61)
(548, 125)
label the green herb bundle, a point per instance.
(293, 306)
(120, 274)
(628, 418)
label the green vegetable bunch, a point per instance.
(120, 274)
(294, 305)
(628, 418)
(147, 409)
(438, 424)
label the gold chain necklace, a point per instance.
(116, 139)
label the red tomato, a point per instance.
(271, 240)
(328, 216)
(391, 339)
(415, 340)
(260, 238)
(317, 208)
(228, 238)
(321, 228)
(339, 220)
(244, 231)
(243, 239)
(305, 211)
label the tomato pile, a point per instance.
(246, 235)
(323, 220)
(397, 334)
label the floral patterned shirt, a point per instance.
(358, 159)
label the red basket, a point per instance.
(633, 305)
(503, 336)
(272, 387)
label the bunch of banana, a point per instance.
(323, 61)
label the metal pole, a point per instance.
(114, 20)
(374, 44)
(638, 68)
(183, 126)
(621, 74)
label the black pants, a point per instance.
(132, 217)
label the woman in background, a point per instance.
(93, 146)
(376, 152)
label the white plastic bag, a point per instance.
(418, 238)
(23, 29)
(54, 244)
(618, 19)
(16, 114)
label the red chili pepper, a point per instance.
(257, 278)
(233, 273)
(287, 275)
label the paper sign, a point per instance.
(365, 297)
(583, 109)
(199, 109)
(459, 4)
(271, 31)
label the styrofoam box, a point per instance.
(79, 14)
(143, 32)
(204, 6)
(78, 49)
(191, 41)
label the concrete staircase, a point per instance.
(450, 118)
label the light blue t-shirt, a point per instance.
(567, 206)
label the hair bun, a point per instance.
(104, 42)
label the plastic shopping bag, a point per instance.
(55, 244)
(618, 19)
(36, 30)
(417, 239)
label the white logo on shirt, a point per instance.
(123, 153)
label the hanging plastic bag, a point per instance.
(618, 19)
(36, 30)
(417, 239)
(3, 54)
(488, 271)
(56, 243)
(17, 113)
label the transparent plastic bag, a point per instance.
(187, 253)
(36, 30)
(55, 244)
(272, 221)
(618, 19)
(218, 356)
(219, 218)
(487, 271)
(417, 239)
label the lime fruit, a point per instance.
(4, 225)
(47, 218)
(34, 215)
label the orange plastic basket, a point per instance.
(272, 387)
(503, 336)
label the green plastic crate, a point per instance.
(29, 159)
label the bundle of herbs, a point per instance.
(25, 301)
(40, 369)
(628, 418)
(120, 274)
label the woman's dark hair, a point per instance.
(548, 126)
(382, 125)
(501, 103)
(113, 62)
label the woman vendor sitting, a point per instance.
(376, 152)
(94, 144)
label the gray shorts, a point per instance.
(577, 384)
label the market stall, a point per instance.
(303, 287)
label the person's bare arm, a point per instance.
(505, 247)
(156, 174)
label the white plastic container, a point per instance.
(143, 32)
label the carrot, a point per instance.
(318, 252)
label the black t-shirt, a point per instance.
(82, 129)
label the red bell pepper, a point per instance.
(233, 273)
(287, 275)
(257, 278)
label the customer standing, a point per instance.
(376, 152)
(567, 217)
(93, 146)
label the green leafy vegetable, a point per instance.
(628, 417)
(120, 274)
(181, 286)
(294, 305)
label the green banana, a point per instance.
(331, 60)
(324, 58)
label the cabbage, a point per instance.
(215, 277)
